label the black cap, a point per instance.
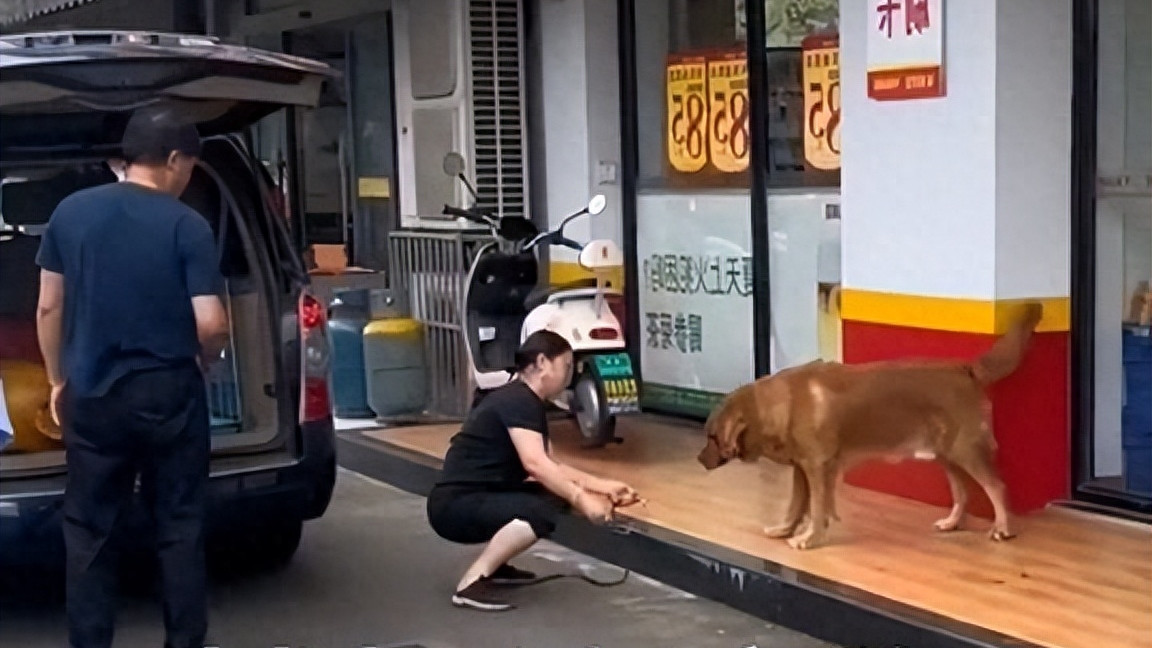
(153, 133)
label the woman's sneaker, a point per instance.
(508, 575)
(481, 595)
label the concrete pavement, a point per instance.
(370, 573)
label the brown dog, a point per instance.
(823, 417)
(27, 394)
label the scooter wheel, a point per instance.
(597, 426)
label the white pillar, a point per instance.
(965, 196)
(581, 117)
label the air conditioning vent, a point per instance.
(497, 64)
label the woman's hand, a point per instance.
(620, 493)
(594, 506)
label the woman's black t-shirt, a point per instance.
(482, 453)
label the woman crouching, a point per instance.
(501, 486)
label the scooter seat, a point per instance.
(540, 294)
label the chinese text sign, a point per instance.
(695, 298)
(905, 49)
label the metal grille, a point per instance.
(431, 268)
(498, 104)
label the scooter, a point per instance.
(503, 305)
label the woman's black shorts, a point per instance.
(473, 514)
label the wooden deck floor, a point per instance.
(1070, 580)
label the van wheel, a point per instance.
(280, 542)
(266, 546)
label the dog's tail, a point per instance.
(1005, 355)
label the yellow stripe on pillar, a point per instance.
(989, 317)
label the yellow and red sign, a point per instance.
(687, 122)
(708, 112)
(905, 49)
(822, 101)
(728, 134)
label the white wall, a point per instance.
(919, 177)
(581, 116)
(565, 116)
(603, 101)
(967, 195)
(1033, 148)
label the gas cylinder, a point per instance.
(348, 313)
(395, 367)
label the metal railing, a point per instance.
(431, 268)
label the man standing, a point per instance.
(129, 309)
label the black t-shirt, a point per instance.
(482, 453)
(132, 259)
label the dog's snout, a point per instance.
(710, 456)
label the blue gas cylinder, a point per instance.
(348, 314)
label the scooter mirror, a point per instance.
(597, 204)
(454, 164)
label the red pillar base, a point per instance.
(1029, 414)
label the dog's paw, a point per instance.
(947, 524)
(804, 541)
(1000, 533)
(780, 530)
(804, 527)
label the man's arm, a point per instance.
(50, 323)
(204, 285)
(211, 325)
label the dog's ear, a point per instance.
(727, 425)
(747, 434)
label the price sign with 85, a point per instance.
(822, 101)
(687, 114)
(708, 112)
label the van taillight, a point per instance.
(315, 403)
(311, 313)
(603, 333)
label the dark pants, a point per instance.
(153, 424)
(473, 514)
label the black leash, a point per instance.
(584, 577)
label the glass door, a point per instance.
(1121, 438)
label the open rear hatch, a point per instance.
(64, 100)
(77, 89)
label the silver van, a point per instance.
(64, 100)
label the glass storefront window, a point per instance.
(694, 206)
(1123, 381)
(693, 210)
(802, 61)
(692, 86)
